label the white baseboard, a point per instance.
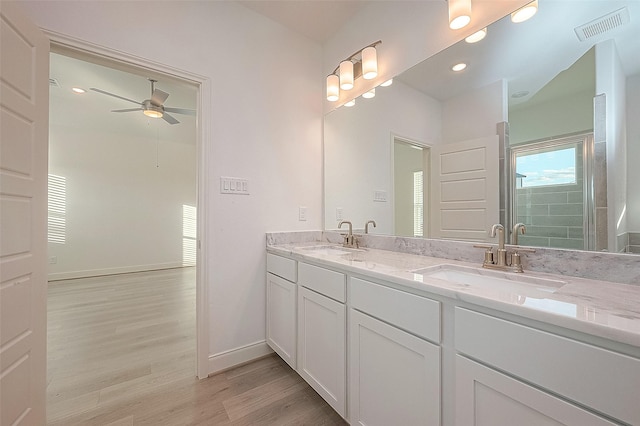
(225, 360)
(111, 271)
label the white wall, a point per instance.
(411, 31)
(122, 213)
(569, 114)
(261, 129)
(474, 114)
(633, 152)
(358, 147)
(611, 81)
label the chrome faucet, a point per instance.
(349, 239)
(366, 225)
(502, 259)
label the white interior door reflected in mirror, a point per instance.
(464, 176)
(411, 173)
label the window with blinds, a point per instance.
(57, 211)
(418, 204)
(188, 235)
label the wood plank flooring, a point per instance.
(121, 351)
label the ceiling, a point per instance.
(531, 54)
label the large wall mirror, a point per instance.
(541, 127)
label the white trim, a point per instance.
(235, 357)
(56, 276)
(203, 144)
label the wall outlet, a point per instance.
(302, 213)
(338, 213)
(53, 260)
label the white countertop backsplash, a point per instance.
(589, 302)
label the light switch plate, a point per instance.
(233, 185)
(302, 213)
(338, 213)
(380, 196)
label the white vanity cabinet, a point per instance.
(281, 307)
(322, 333)
(394, 375)
(547, 378)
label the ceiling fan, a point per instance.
(153, 107)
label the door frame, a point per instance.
(203, 147)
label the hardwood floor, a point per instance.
(121, 351)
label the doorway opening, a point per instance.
(123, 232)
(410, 188)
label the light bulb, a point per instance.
(351, 103)
(370, 94)
(369, 63)
(459, 13)
(387, 83)
(346, 75)
(476, 37)
(333, 91)
(525, 12)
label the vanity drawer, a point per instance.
(282, 267)
(606, 381)
(415, 314)
(324, 281)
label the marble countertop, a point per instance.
(600, 308)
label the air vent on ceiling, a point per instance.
(53, 82)
(603, 24)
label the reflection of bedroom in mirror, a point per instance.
(546, 79)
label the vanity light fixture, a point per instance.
(477, 36)
(459, 67)
(370, 94)
(363, 63)
(387, 83)
(525, 12)
(78, 90)
(459, 13)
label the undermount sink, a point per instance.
(493, 280)
(330, 250)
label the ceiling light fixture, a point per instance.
(351, 103)
(525, 12)
(78, 90)
(459, 67)
(459, 13)
(151, 110)
(387, 83)
(363, 63)
(477, 36)
(520, 94)
(370, 94)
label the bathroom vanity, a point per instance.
(395, 338)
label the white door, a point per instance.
(394, 376)
(465, 189)
(485, 397)
(321, 347)
(24, 101)
(282, 317)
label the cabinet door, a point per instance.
(394, 376)
(321, 346)
(281, 318)
(485, 397)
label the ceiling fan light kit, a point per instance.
(153, 107)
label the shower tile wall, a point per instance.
(554, 215)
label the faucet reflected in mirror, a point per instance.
(366, 225)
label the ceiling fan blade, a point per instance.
(158, 97)
(169, 119)
(115, 96)
(181, 111)
(126, 110)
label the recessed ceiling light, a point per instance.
(351, 103)
(387, 83)
(476, 37)
(520, 94)
(459, 67)
(525, 12)
(78, 90)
